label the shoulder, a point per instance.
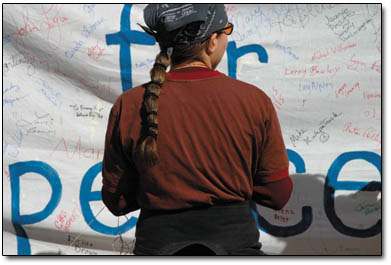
(131, 99)
(245, 90)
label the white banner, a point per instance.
(64, 66)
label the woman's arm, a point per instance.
(273, 194)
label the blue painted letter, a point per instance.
(332, 184)
(234, 54)
(86, 195)
(124, 38)
(16, 171)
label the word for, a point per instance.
(368, 133)
(126, 36)
(86, 33)
(15, 61)
(277, 99)
(314, 70)
(20, 169)
(326, 52)
(315, 86)
(62, 223)
(85, 111)
(89, 153)
(39, 125)
(95, 52)
(286, 50)
(12, 99)
(323, 136)
(50, 93)
(342, 91)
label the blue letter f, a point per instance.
(124, 38)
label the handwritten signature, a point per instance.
(367, 208)
(35, 126)
(319, 132)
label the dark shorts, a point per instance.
(227, 229)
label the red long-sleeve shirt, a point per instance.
(219, 141)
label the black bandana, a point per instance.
(166, 22)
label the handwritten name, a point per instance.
(86, 33)
(314, 70)
(315, 86)
(369, 96)
(85, 111)
(81, 246)
(367, 208)
(297, 15)
(15, 61)
(50, 93)
(286, 50)
(89, 29)
(326, 52)
(341, 25)
(342, 91)
(70, 53)
(62, 223)
(89, 8)
(302, 135)
(356, 64)
(82, 152)
(39, 125)
(368, 133)
(11, 95)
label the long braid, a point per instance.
(146, 151)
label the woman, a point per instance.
(216, 147)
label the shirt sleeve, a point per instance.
(272, 185)
(273, 162)
(120, 177)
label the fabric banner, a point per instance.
(65, 65)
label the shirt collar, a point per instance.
(192, 73)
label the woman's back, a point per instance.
(212, 131)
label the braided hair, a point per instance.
(146, 150)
